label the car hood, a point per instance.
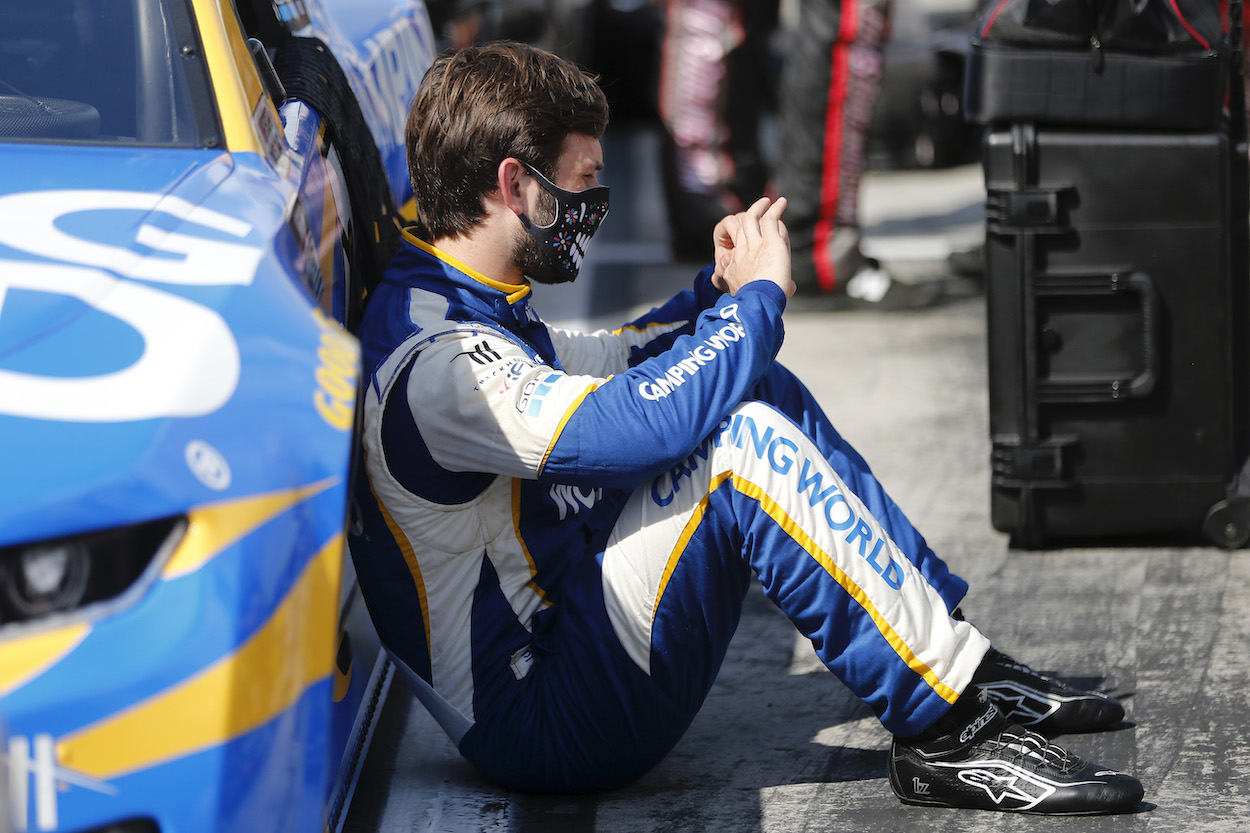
(157, 350)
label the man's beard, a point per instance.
(528, 255)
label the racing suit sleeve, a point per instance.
(482, 404)
(605, 352)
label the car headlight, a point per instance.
(43, 578)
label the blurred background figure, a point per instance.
(562, 26)
(721, 62)
(830, 81)
(714, 88)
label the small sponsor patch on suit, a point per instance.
(522, 661)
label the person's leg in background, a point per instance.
(831, 75)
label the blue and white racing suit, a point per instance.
(557, 530)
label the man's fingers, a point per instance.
(774, 212)
(743, 222)
(771, 220)
(753, 215)
(763, 217)
(723, 233)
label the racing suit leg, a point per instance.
(761, 494)
(829, 84)
(784, 391)
(623, 658)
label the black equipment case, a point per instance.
(1116, 273)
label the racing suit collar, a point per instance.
(506, 302)
(512, 292)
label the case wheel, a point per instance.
(1228, 523)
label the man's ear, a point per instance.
(513, 179)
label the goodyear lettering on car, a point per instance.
(338, 367)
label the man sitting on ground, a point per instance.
(558, 529)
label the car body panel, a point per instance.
(228, 359)
(170, 349)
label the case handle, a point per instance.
(1116, 387)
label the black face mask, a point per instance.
(578, 215)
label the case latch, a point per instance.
(1039, 210)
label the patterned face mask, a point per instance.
(578, 215)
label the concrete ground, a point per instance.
(781, 746)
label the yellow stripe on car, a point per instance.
(214, 527)
(236, 84)
(264, 677)
(29, 656)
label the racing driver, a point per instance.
(558, 529)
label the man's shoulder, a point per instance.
(396, 312)
(428, 344)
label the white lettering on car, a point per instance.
(182, 340)
(397, 60)
(189, 364)
(30, 225)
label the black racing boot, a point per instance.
(974, 759)
(1042, 703)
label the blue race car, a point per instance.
(193, 197)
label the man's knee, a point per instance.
(761, 431)
(773, 457)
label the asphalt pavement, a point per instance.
(781, 746)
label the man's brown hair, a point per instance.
(480, 105)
